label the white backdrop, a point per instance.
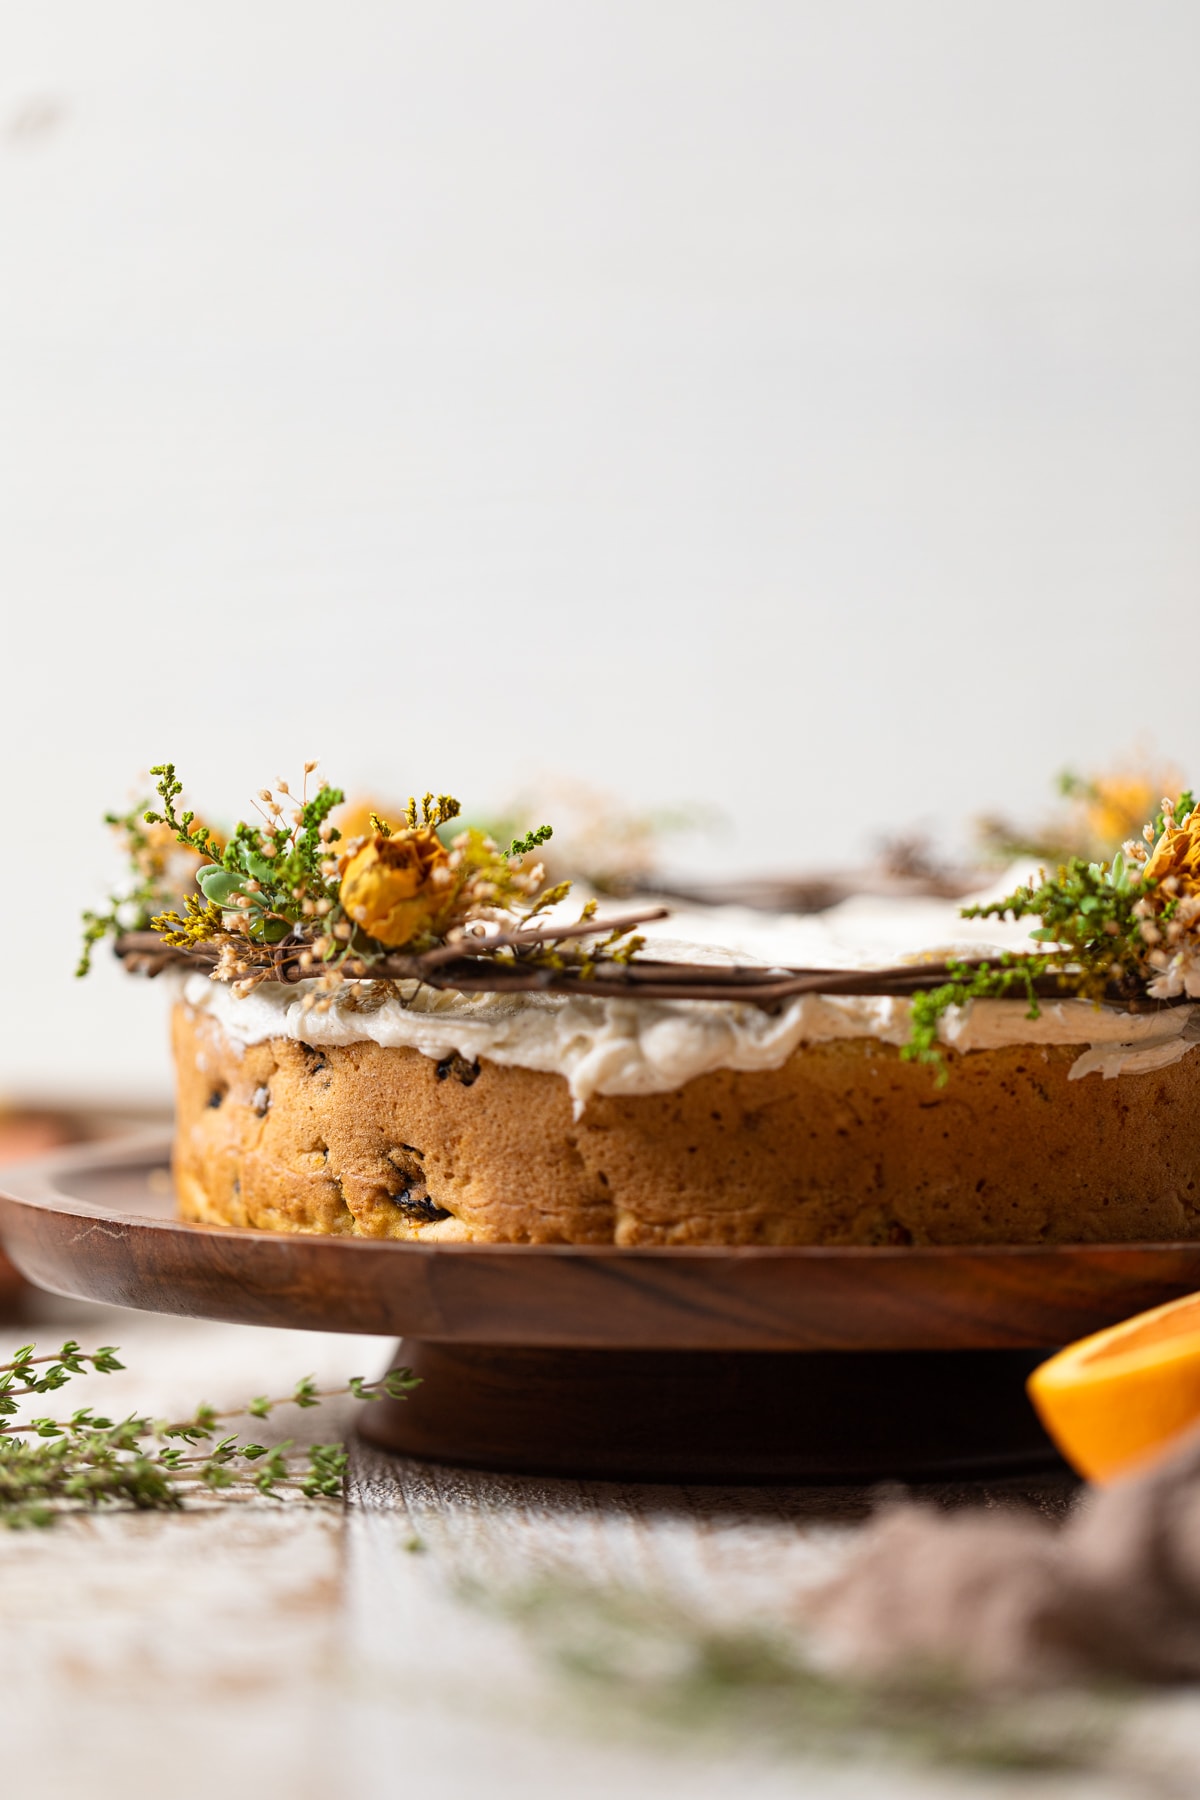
(788, 405)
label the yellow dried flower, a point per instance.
(395, 887)
(1177, 855)
(1117, 805)
(353, 819)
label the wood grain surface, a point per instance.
(372, 1651)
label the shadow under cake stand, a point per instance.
(772, 1364)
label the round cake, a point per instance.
(407, 1032)
(538, 1119)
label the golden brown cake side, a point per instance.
(844, 1144)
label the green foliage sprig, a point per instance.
(1091, 931)
(197, 838)
(1011, 976)
(133, 910)
(51, 1466)
(1088, 920)
(541, 834)
(277, 875)
(643, 1657)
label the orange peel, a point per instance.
(1119, 1399)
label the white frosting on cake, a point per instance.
(652, 1046)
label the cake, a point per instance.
(382, 1106)
(577, 1123)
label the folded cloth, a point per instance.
(1006, 1599)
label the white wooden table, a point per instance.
(261, 1649)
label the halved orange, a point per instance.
(1121, 1397)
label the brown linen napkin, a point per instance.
(1002, 1598)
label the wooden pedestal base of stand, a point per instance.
(723, 1416)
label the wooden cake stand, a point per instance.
(658, 1363)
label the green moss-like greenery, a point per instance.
(1012, 976)
(1091, 929)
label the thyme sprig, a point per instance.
(646, 1658)
(1011, 976)
(1124, 929)
(523, 845)
(51, 1466)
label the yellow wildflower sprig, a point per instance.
(200, 921)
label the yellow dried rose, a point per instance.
(1177, 854)
(395, 887)
(1118, 805)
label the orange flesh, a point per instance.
(1181, 1323)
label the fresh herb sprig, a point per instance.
(148, 847)
(522, 846)
(51, 1466)
(1098, 923)
(277, 874)
(645, 1658)
(197, 838)
(1010, 977)
(1089, 923)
